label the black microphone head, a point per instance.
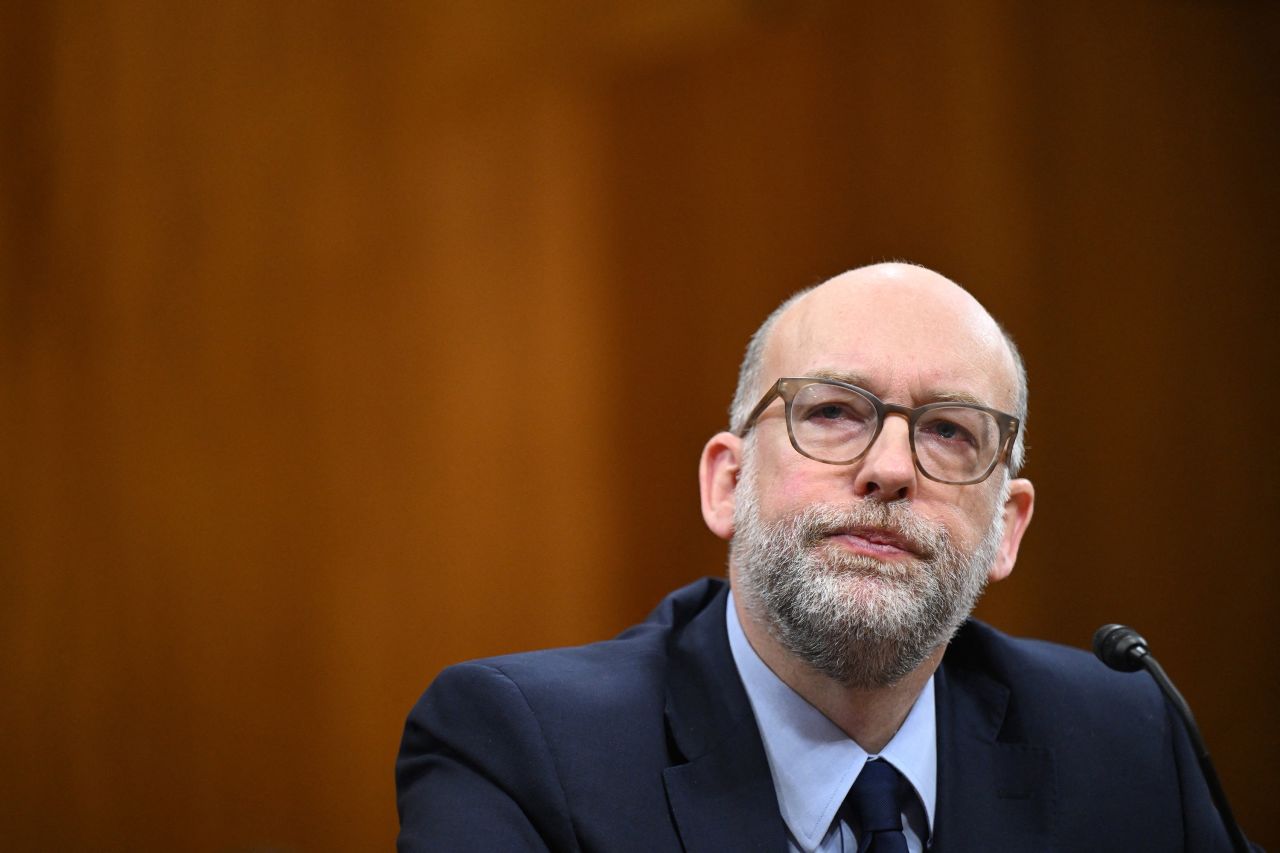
(1120, 647)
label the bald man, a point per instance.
(834, 695)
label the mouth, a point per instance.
(876, 542)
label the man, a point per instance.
(833, 695)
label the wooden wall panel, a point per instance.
(342, 342)
(1159, 271)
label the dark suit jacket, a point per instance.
(647, 743)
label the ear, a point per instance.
(1017, 515)
(718, 478)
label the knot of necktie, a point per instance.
(876, 800)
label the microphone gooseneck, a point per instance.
(1125, 650)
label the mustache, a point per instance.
(895, 522)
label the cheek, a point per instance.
(794, 486)
(971, 517)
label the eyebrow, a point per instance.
(932, 397)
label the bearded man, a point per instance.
(834, 695)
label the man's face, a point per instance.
(862, 570)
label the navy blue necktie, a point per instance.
(875, 801)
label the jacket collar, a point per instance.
(722, 795)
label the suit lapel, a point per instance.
(991, 795)
(721, 795)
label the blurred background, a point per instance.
(342, 341)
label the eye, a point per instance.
(830, 412)
(835, 413)
(947, 432)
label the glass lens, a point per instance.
(830, 423)
(956, 443)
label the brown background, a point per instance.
(342, 341)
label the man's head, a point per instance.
(862, 570)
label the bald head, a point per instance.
(891, 315)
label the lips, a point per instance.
(876, 542)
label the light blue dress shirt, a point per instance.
(814, 763)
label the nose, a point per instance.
(887, 472)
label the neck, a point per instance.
(870, 716)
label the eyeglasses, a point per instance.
(836, 423)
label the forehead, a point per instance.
(906, 334)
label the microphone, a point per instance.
(1120, 647)
(1125, 650)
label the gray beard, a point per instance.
(863, 622)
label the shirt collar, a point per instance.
(813, 762)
